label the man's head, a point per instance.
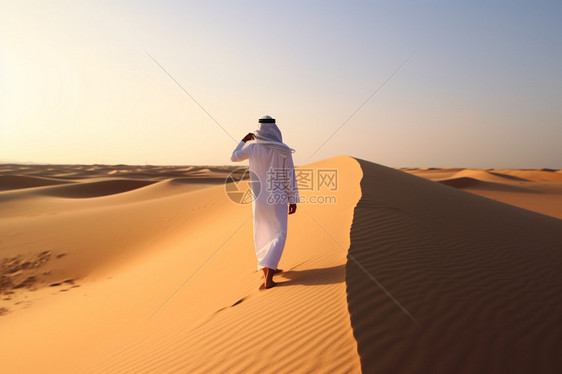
(266, 119)
(270, 136)
(268, 130)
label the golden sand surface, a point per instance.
(151, 269)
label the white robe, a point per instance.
(270, 210)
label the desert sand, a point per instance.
(538, 190)
(151, 269)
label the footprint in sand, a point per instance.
(238, 302)
(63, 283)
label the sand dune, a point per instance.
(80, 172)
(487, 175)
(125, 254)
(475, 183)
(152, 270)
(480, 279)
(434, 173)
(14, 182)
(541, 175)
(95, 189)
(536, 190)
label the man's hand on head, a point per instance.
(250, 136)
(292, 208)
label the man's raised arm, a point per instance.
(240, 153)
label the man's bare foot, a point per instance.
(268, 283)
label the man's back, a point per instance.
(275, 192)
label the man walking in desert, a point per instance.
(271, 161)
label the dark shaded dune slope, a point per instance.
(480, 278)
(96, 189)
(467, 182)
(16, 182)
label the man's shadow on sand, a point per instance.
(311, 277)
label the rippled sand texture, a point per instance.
(153, 270)
(479, 278)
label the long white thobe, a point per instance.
(271, 203)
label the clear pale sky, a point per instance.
(483, 88)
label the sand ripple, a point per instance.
(481, 278)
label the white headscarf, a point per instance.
(270, 136)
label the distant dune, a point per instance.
(537, 190)
(14, 182)
(151, 269)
